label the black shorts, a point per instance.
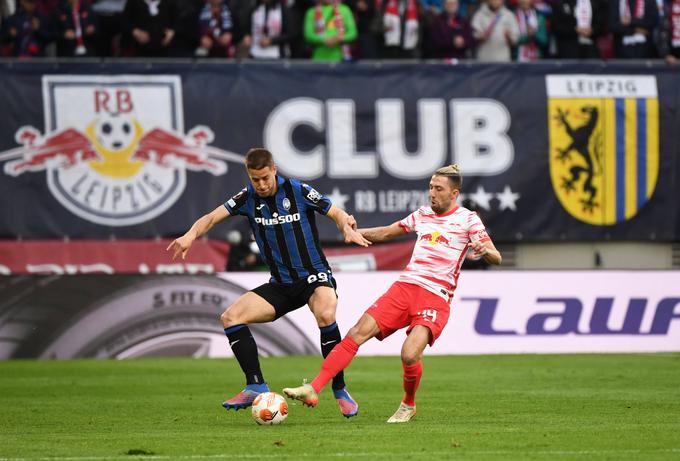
(288, 297)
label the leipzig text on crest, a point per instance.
(114, 147)
(604, 144)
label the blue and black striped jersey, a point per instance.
(284, 227)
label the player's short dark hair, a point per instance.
(453, 173)
(258, 158)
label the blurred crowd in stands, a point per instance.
(337, 30)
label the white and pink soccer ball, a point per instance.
(270, 408)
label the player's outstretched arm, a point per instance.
(384, 233)
(347, 225)
(488, 251)
(181, 245)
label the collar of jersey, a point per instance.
(279, 183)
(447, 214)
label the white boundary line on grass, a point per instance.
(282, 453)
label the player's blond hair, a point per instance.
(453, 173)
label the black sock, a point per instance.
(330, 337)
(245, 350)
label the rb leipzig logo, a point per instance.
(114, 147)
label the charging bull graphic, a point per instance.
(435, 238)
(604, 144)
(114, 148)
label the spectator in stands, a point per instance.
(576, 25)
(402, 29)
(496, 31)
(433, 8)
(7, 8)
(27, 31)
(149, 27)
(468, 8)
(269, 30)
(329, 29)
(533, 35)
(241, 12)
(299, 48)
(108, 17)
(244, 255)
(217, 30)
(544, 7)
(669, 36)
(451, 34)
(76, 29)
(632, 22)
(186, 38)
(369, 28)
(48, 8)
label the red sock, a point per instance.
(339, 358)
(412, 374)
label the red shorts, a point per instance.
(408, 305)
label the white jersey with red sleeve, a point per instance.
(442, 244)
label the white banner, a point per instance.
(503, 312)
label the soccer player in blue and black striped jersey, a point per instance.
(281, 213)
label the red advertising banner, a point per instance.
(149, 256)
(108, 257)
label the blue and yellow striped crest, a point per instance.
(604, 144)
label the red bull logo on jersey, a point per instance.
(435, 238)
(114, 148)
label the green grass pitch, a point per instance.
(484, 407)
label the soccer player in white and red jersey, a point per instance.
(420, 299)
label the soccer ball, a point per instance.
(270, 408)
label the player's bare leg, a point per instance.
(323, 304)
(249, 308)
(339, 358)
(411, 354)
